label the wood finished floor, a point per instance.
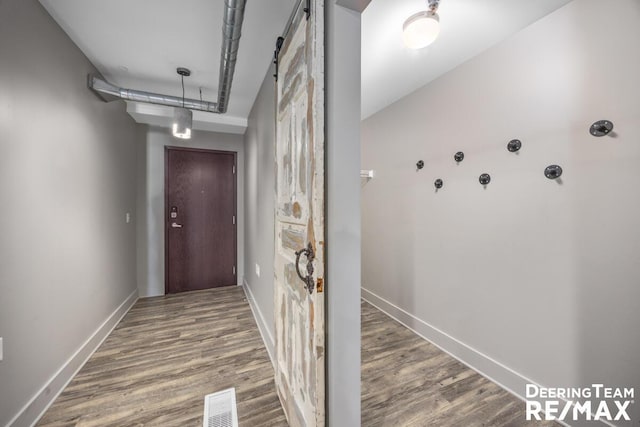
(168, 352)
(164, 357)
(407, 381)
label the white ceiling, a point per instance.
(139, 44)
(390, 71)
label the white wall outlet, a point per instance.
(257, 270)
(127, 217)
(1, 355)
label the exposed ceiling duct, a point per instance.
(231, 32)
(106, 88)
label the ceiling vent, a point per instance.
(231, 32)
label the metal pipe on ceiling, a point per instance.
(231, 32)
(104, 87)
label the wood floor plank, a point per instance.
(409, 382)
(168, 352)
(163, 358)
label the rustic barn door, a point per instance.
(299, 252)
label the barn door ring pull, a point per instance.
(308, 280)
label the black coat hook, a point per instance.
(485, 178)
(601, 128)
(458, 157)
(553, 172)
(438, 183)
(420, 164)
(514, 145)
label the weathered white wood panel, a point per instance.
(299, 222)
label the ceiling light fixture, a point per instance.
(422, 29)
(182, 117)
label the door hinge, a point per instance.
(234, 270)
(234, 169)
(234, 220)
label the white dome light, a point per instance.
(421, 29)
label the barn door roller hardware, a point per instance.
(287, 28)
(276, 55)
(307, 9)
(231, 32)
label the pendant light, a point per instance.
(422, 28)
(182, 117)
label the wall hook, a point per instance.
(514, 145)
(458, 157)
(601, 128)
(553, 172)
(438, 183)
(485, 178)
(420, 164)
(366, 173)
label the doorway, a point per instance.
(200, 219)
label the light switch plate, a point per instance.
(257, 270)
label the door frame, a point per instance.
(168, 148)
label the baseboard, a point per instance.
(493, 370)
(267, 338)
(37, 406)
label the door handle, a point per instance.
(176, 225)
(308, 279)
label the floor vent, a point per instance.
(220, 409)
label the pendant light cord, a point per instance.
(182, 91)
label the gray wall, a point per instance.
(259, 207)
(343, 214)
(67, 257)
(151, 238)
(538, 276)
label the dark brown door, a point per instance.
(200, 219)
